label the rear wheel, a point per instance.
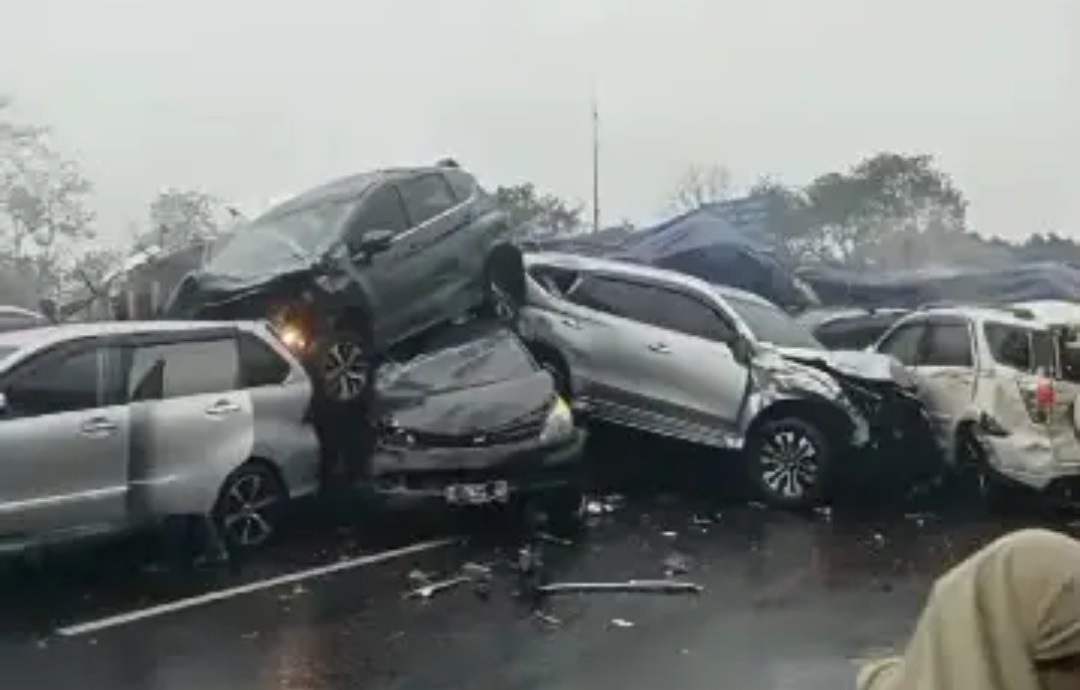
(343, 367)
(249, 508)
(787, 459)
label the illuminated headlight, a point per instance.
(293, 337)
(559, 424)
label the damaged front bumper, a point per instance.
(414, 477)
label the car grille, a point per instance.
(525, 429)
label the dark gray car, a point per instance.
(358, 265)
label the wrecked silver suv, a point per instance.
(673, 355)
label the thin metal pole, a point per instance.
(596, 166)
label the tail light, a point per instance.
(1040, 406)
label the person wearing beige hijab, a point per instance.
(1007, 618)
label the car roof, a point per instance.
(576, 262)
(50, 335)
(981, 313)
(10, 310)
(347, 188)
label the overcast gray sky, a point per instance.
(250, 99)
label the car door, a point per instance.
(946, 371)
(377, 271)
(692, 362)
(191, 425)
(434, 257)
(64, 434)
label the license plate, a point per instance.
(477, 494)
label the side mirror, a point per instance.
(374, 241)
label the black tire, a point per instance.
(978, 483)
(565, 510)
(342, 367)
(249, 507)
(788, 460)
(504, 285)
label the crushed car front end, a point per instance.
(475, 422)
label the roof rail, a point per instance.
(1018, 312)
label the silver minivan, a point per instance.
(109, 426)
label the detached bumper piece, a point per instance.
(489, 475)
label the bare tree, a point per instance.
(700, 185)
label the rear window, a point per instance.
(1020, 348)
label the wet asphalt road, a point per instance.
(789, 600)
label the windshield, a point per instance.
(770, 325)
(275, 243)
(489, 359)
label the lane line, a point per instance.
(222, 594)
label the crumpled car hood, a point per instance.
(466, 411)
(869, 366)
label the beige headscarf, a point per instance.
(991, 618)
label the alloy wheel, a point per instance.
(345, 370)
(790, 463)
(247, 509)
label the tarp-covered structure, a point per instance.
(704, 243)
(911, 289)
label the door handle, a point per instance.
(659, 348)
(98, 426)
(221, 408)
(572, 323)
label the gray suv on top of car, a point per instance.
(355, 266)
(107, 426)
(674, 355)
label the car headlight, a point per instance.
(559, 424)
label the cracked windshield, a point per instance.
(574, 345)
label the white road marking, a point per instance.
(222, 594)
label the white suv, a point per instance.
(989, 379)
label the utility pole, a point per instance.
(595, 165)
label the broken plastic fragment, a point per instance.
(552, 539)
(622, 623)
(547, 618)
(629, 586)
(676, 564)
(594, 508)
(430, 590)
(669, 534)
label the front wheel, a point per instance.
(787, 459)
(249, 507)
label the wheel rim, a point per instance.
(789, 463)
(345, 370)
(247, 518)
(502, 305)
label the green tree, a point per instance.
(180, 218)
(852, 214)
(700, 185)
(539, 215)
(43, 205)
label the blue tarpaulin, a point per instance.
(911, 289)
(720, 243)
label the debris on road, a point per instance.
(629, 586)
(622, 623)
(547, 618)
(430, 590)
(669, 534)
(552, 539)
(676, 564)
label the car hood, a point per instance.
(868, 366)
(470, 410)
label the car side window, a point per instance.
(176, 370)
(462, 184)
(260, 365)
(614, 297)
(57, 383)
(947, 345)
(426, 196)
(381, 210)
(903, 343)
(684, 314)
(1009, 345)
